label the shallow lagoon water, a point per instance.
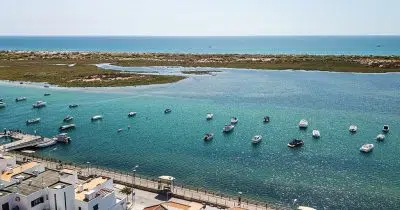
(327, 173)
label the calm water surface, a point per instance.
(330, 45)
(328, 173)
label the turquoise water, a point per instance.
(331, 45)
(328, 173)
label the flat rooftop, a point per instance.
(87, 186)
(32, 184)
(17, 170)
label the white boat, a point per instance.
(380, 137)
(131, 114)
(63, 137)
(68, 118)
(2, 104)
(167, 111)
(208, 136)
(367, 148)
(228, 128)
(353, 128)
(234, 120)
(39, 104)
(66, 127)
(303, 123)
(119, 130)
(316, 134)
(18, 99)
(47, 143)
(209, 116)
(32, 121)
(256, 139)
(385, 128)
(96, 117)
(73, 105)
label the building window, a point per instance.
(5, 206)
(55, 201)
(37, 201)
(96, 207)
(65, 200)
(47, 197)
(79, 208)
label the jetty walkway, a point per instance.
(148, 184)
(21, 140)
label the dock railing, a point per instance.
(181, 191)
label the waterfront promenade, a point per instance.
(179, 191)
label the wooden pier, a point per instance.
(21, 141)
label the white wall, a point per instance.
(69, 194)
(7, 198)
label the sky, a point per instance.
(199, 17)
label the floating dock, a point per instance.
(21, 141)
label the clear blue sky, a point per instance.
(199, 17)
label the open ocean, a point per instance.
(331, 45)
(328, 173)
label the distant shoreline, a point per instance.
(76, 69)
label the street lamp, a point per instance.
(240, 199)
(134, 181)
(54, 149)
(88, 167)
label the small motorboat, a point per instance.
(1, 99)
(39, 104)
(295, 143)
(167, 111)
(33, 121)
(256, 139)
(67, 127)
(18, 99)
(353, 128)
(367, 148)
(234, 120)
(303, 124)
(63, 137)
(385, 128)
(316, 134)
(208, 136)
(46, 86)
(209, 116)
(47, 143)
(96, 117)
(266, 119)
(380, 137)
(228, 128)
(47, 94)
(119, 130)
(2, 104)
(73, 105)
(131, 114)
(68, 118)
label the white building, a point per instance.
(30, 188)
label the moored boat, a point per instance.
(2, 104)
(303, 124)
(63, 137)
(68, 118)
(47, 142)
(66, 127)
(39, 104)
(33, 121)
(353, 128)
(131, 114)
(367, 147)
(234, 120)
(208, 136)
(96, 117)
(73, 105)
(209, 116)
(316, 133)
(119, 130)
(47, 94)
(295, 143)
(380, 137)
(385, 128)
(256, 139)
(167, 111)
(266, 119)
(18, 99)
(228, 128)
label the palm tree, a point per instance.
(127, 191)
